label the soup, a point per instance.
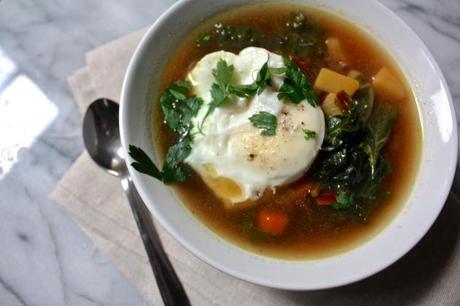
(358, 120)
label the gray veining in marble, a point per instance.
(45, 259)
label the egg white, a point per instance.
(232, 157)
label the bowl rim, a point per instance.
(201, 254)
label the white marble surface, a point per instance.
(44, 257)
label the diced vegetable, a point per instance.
(331, 81)
(386, 83)
(327, 198)
(273, 222)
(335, 50)
(345, 101)
(355, 74)
(330, 106)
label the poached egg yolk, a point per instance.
(229, 153)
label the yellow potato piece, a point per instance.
(330, 107)
(386, 83)
(335, 50)
(333, 82)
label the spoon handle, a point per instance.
(171, 289)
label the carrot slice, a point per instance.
(273, 222)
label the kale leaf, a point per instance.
(380, 125)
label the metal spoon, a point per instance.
(102, 141)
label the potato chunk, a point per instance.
(333, 82)
(386, 83)
(335, 50)
(330, 106)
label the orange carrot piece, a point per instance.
(273, 222)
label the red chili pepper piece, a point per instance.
(327, 198)
(344, 100)
(302, 63)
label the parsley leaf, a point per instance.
(243, 91)
(143, 163)
(246, 91)
(309, 134)
(223, 73)
(219, 91)
(265, 121)
(203, 38)
(179, 109)
(263, 78)
(172, 170)
(296, 86)
(279, 70)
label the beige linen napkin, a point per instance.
(428, 275)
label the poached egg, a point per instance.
(229, 153)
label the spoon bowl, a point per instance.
(101, 136)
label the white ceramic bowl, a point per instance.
(404, 231)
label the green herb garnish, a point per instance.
(266, 122)
(222, 90)
(203, 38)
(309, 134)
(296, 86)
(262, 80)
(178, 109)
(143, 163)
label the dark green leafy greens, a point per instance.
(379, 131)
(178, 109)
(296, 86)
(298, 37)
(351, 161)
(266, 122)
(344, 200)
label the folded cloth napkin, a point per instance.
(428, 275)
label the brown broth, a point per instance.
(315, 231)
